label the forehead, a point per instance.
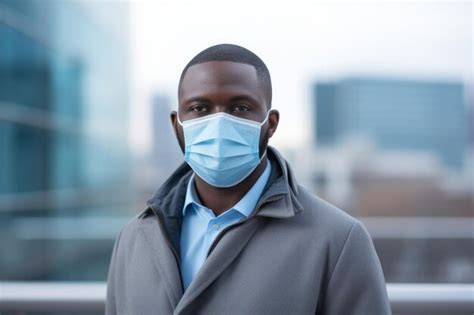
(220, 77)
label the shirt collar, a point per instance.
(191, 195)
(245, 205)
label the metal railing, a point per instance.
(90, 296)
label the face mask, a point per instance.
(222, 149)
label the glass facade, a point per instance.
(64, 154)
(397, 114)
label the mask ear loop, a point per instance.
(263, 155)
(266, 118)
(261, 124)
(179, 120)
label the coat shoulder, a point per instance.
(326, 219)
(131, 228)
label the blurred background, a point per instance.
(376, 102)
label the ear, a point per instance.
(174, 121)
(177, 130)
(273, 119)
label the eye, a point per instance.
(198, 108)
(240, 108)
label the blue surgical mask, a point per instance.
(222, 149)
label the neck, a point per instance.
(221, 199)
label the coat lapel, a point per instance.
(163, 259)
(222, 256)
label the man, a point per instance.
(231, 232)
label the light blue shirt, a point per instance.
(201, 226)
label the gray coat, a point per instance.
(295, 254)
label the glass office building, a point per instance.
(64, 155)
(396, 114)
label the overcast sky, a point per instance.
(301, 42)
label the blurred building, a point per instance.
(392, 146)
(64, 156)
(164, 157)
(395, 114)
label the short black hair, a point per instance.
(234, 53)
